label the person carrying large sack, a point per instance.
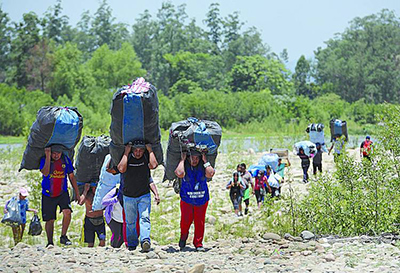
(194, 170)
(135, 167)
(56, 167)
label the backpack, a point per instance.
(367, 147)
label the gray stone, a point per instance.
(211, 219)
(288, 236)
(271, 236)
(152, 255)
(307, 235)
(198, 268)
(329, 257)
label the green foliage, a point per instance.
(256, 73)
(363, 62)
(69, 72)
(112, 69)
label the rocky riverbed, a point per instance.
(233, 244)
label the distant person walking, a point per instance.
(366, 148)
(23, 203)
(260, 185)
(248, 182)
(317, 159)
(194, 171)
(338, 144)
(305, 164)
(56, 167)
(236, 187)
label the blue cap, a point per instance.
(368, 137)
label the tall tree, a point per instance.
(256, 73)
(363, 62)
(39, 65)
(214, 23)
(27, 35)
(301, 77)
(55, 25)
(5, 40)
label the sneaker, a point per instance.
(200, 249)
(182, 244)
(131, 248)
(50, 244)
(146, 246)
(240, 214)
(65, 241)
(246, 211)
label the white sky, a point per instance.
(299, 26)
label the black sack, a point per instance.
(338, 128)
(53, 125)
(182, 138)
(35, 227)
(90, 157)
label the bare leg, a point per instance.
(49, 227)
(236, 211)
(66, 220)
(102, 243)
(22, 228)
(16, 234)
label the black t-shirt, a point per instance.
(317, 159)
(137, 175)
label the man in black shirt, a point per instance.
(135, 167)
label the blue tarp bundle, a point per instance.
(316, 133)
(269, 159)
(54, 125)
(134, 116)
(191, 134)
(308, 147)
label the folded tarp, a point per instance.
(134, 116)
(54, 125)
(338, 128)
(308, 147)
(90, 157)
(191, 134)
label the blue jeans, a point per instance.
(133, 205)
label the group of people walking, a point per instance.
(241, 185)
(127, 208)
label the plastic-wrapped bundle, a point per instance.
(338, 128)
(53, 125)
(270, 159)
(191, 134)
(316, 133)
(308, 147)
(90, 157)
(134, 116)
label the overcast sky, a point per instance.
(299, 26)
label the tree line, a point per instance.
(220, 71)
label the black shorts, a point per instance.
(90, 228)
(49, 205)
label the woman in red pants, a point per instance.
(194, 172)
